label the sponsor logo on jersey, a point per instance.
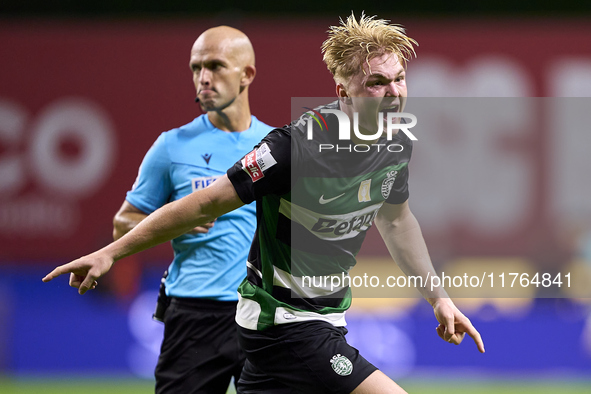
(256, 162)
(342, 227)
(388, 183)
(363, 195)
(322, 201)
(203, 182)
(207, 157)
(331, 227)
(341, 365)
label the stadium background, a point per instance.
(85, 88)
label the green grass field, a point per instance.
(414, 386)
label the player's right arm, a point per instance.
(164, 224)
(402, 235)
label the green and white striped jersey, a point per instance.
(314, 206)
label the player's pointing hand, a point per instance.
(84, 271)
(453, 325)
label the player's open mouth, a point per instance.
(391, 108)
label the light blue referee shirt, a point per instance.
(181, 161)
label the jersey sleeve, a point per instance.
(399, 192)
(265, 170)
(152, 187)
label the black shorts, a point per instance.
(200, 351)
(308, 357)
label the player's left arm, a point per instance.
(402, 234)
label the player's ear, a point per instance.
(342, 94)
(248, 74)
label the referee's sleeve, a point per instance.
(264, 170)
(153, 187)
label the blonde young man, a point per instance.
(314, 207)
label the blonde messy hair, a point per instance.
(353, 42)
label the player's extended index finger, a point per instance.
(475, 335)
(62, 269)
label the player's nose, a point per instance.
(392, 90)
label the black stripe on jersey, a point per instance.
(283, 232)
(253, 277)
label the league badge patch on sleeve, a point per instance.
(256, 162)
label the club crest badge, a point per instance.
(388, 183)
(341, 365)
